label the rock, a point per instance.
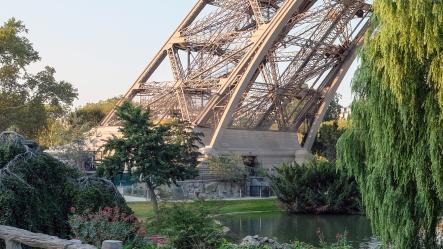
(263, 241)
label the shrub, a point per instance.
(94, 193)
(227, 167)
(234, 246)
(315, 188)
(108, 224)
(190, 227)
(36, 190)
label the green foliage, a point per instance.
(326, 140)
(108, 224)
(315, 187)
(394, 148)
(227, 167)
(36, 191)
(92, 113)
(28, 101)
(52, 189)
(190, 227)
(334, 109)
(95, 193)
(341, 243)
(234, 246)
(154, 154)
(71, 129)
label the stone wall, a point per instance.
(207, 189)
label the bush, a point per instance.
(227, 167)
(190, 227)
(315, 188)
(234, 246)
(108, 224)
(36, 190)
(94, 193)
(341, 243)
(50, 188)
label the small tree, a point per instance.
(227, 167)
(155, 154)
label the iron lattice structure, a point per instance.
(254, 64)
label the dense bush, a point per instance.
(36, 190)
(315, 187)
(108, 224)
(190, 227)
(94, 193)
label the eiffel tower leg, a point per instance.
(264, 42)
(158, 59)
(334, 81)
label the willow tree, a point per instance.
(395, 145)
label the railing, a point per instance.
(15, 237)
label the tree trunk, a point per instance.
(154, 200)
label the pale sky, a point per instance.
(101, 46)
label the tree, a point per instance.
(394, 147)
(334, 109)
(28, 101)
(92, 113)
(73, 128)
(155, 154)
(327, 137)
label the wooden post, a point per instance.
(112, 244)
(11, 244)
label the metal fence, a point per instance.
(252, 186)
(261, 191)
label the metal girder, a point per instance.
(254, 64)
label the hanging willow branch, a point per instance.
(395, 145)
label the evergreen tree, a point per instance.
(395, 145)
(154, 154)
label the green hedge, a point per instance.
(316, 187)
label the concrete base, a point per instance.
(271, 148)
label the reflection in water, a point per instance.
(305, 228)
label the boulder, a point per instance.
(263, 241)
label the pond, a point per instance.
(306, 228)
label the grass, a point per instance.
(145, 209)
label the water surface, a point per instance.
(306, 228)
